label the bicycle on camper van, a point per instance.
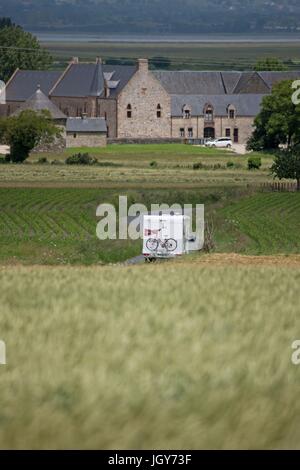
(154, 243)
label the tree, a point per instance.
(20, 49)
(25, 131)
(278, 123)
(287, 165)
(5, 22)
(270, 64)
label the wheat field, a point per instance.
(151, 356)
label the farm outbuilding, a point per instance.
(86, 132)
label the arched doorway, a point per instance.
(209, 133)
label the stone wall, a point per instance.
(144, 93)
(58, 145)
(146, 140)
(243, 124)
(220, 124)
(9, 107)
(92, 107)
(85, 139)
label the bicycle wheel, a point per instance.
(152, 244)
(171, 244)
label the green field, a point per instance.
(190, 56)
(58, 225)
(140, 166)
(189, 354)
(48, 211)
(172, 356)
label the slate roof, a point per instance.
(243, 81)
(230, 80)
(246, 105)
(271, 78)
(83, 80)
(191, 83)
(38, 102)
(25, 83)
(86, 125)
(220, 83)
(98, 85)
(88, 79)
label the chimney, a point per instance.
(98, 60)
(107, 89)
(143, 65)
(75, 60)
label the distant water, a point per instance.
(139, 38)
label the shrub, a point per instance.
(108, 164)
(230, 165)
(5, 158)
(198, 166)
(254, 163)
(218, 166)
(42, 160)
(81, 159)
(56, 162)
(153, 164)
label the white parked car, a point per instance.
(223, 142)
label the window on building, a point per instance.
(158, 111)
(228, 132)
(190, 132)
(231, 114)
(74, 135)
(181, 132)
(209, 133)
(8, 110)
(187, 112)
(85, 108)
(66, 111)
(208, 114)
(236, 135)
(129, 111)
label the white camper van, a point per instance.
(166, 236)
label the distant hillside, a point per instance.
(155, 16)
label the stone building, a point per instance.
(141, 104)
(86, 132)
(39, 102)
(144, 107)
(82, 88)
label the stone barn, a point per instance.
(86, 132)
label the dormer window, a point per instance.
(208, 113)
(158, 111)
(187, 112)
(231, 112)
(129, 111)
